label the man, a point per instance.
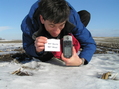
(54, 19)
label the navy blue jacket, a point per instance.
(29, 27)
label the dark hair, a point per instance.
(55, 11)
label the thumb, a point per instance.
(74, 50)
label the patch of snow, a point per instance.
(55, 75)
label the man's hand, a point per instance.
(72, 61)
(40, 43)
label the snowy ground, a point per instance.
(6, 48)
(55, 75)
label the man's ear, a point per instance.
(41, 19)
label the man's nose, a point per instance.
(56, 29)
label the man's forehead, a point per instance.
(57, 23)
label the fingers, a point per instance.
(41, 39)
(66, 59)
(40, 43)
(70, 61)
(63, 58)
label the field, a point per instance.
(105, 45)
(54, 74)
(11, 41)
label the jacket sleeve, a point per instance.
(28, 42)
(82, 34)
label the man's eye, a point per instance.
(62, 25)
(52, 26)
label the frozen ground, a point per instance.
(55, 75)
(6, 48)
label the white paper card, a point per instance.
(52, 45)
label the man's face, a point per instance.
(53, 29)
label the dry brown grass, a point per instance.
(14, 41)
(105, 44)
